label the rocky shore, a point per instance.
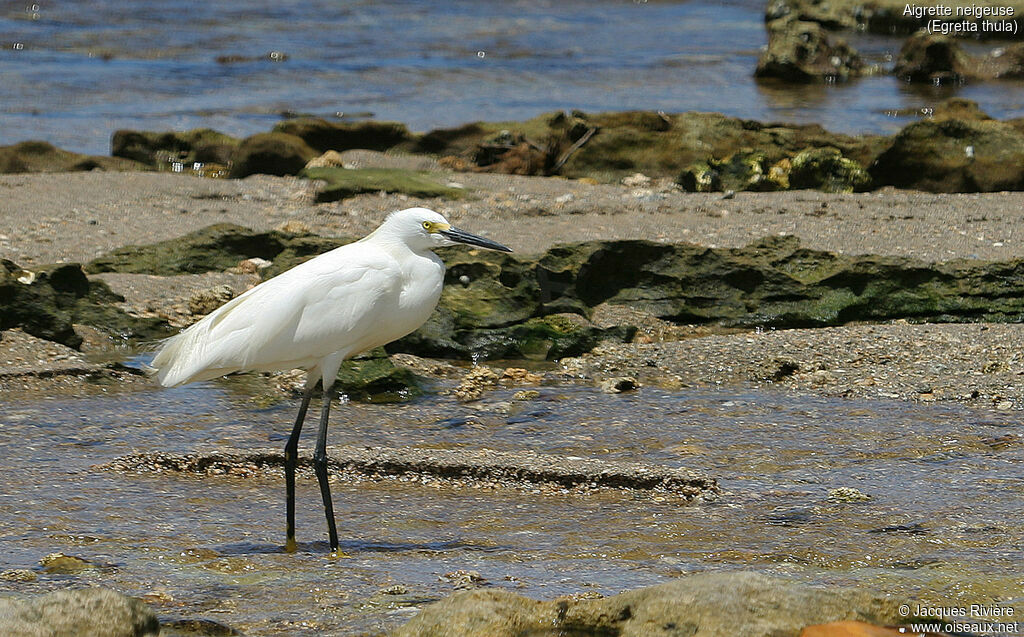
(535, 473)
(633, 268)
(953, 147)
(594, 263)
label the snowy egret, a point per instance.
(314, 316)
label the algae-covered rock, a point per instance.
(324, 135)
(163, 149)
(701, 176)
(937, 59)
(773, 282)
(61, 564)
(43, 157)
(498, 305)
(96, 612)
(821, 168)
(373, 378)
(559, 335)
(34, 307)
(745, 170)
(932, 58)
(542, 338)
(893, 17)
(826, 169)
(800, 51)
(959, 108)
(691, 137)
(954, 155)
(610, 146)
(703, 605)
(831, 15)
(488, 289)
(451, 141)
(271, 154)
(214, 248)
(344, 182)
(495, 305)
(50, 302)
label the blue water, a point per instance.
(71, 73)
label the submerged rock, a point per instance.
(97, 612)
(520, 469)
(885, 17)
(198, 627)
(941, 59)
(373, 378)
(619, 384)
(800, 51)
(43, 157)
(847, 494)
(706, 604)
(473, 385)
(61, 564)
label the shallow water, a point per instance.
(943, 522)
(73, 75)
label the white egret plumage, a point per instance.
(314, 316)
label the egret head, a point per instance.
(424, 229)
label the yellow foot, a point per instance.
(290, 546)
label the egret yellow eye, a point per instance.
(426, 225)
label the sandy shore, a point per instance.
(980, 365)
(46, 218)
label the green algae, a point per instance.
(343, 183)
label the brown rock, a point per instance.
(735, 604)
(954, 155)
(43, 157)
(271, 154)
(96, 612)
(937, 58)
(800, 51)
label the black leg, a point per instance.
(291, 457)
(320, 465)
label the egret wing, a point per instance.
(292, 320)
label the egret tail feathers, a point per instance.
(184, 358)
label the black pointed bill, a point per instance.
(461, 236)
